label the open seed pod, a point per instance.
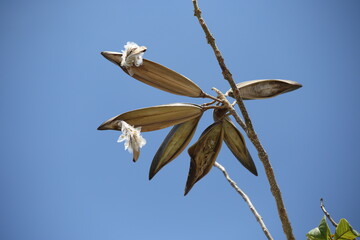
(158, 76)
(155, 118)
(204, 153)
(174, 143)
(264, 88)
(235, 140)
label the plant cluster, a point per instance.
(184, 117)
(343, 231)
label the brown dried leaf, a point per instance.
(235, 140)
(174, 143)
(236, 143)
(264, 88)
(158, 76)
(155, 118)
(203, 153)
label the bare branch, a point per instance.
(249, 127)
(229, 106)
(246, 199)
(326, 213)
(211, 97)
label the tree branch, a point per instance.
(249, 127)
(326, 213)
(246, 199)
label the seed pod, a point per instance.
(203, 154)
(158, 76)
(264, 88)
(155, 118)
(174, 143)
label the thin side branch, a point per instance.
(211, 97)
(229, 106)
(326, 213)
(275, 190)
(246, 199)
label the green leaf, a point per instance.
(345, 231)
(322, 232)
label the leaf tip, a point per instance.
(102, 127)
(114, 57)
(152, 172)
(187, 190)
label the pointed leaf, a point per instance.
(344, 231)
(235, 140)
(158, 76)
(174, 143)
(203, 154)
(155, 118)
(236, 143)
(264, 88)
(322, 232)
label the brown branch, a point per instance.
(326, 213)
(229, 106)
(249, 128)
(246, 199)
(211, 97)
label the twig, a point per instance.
(209, 103)
(206, 107)
(246, 199)
(249, 128)
(326, 213)
(229, 106)
(211, 97)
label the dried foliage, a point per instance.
(185, 117)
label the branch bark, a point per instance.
(327, 213)
(249, 129)
(246, 199)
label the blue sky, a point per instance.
(60, 178)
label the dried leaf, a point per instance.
(235, 140)
(203, 154)
(158, 76)
(155, 118)
(174, 143)
(264, 88)
(236, 143)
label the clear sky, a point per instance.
(60, 178)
